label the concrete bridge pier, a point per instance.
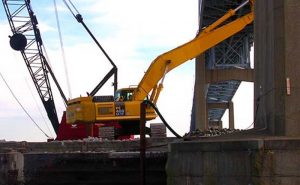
(277, 66)
(269, 158)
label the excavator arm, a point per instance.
(208, 38)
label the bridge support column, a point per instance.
(231, 115)
(200, 91)
(228, 106)
(277, 66)
(204, 77)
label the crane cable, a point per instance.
(22, 106)
(67, 5)
(36, 103)
(62, 49)
(31, 92)
(50, 67)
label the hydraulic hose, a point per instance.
(147, 102)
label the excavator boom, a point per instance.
(208, 38)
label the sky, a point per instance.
(133, 33)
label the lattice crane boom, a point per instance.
(26, 38)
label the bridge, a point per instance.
(233, 53)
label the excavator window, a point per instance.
(124, 95)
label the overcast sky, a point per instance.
(133, 33)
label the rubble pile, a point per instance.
(211, 132)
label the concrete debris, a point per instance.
(211, 132)
(107, 132)
(158, 130)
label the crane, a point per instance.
(26, 38)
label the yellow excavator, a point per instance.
(124, 107)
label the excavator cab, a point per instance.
(124, 94)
